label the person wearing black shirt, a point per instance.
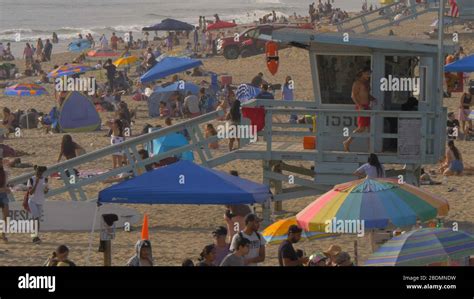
(258, 80)
(111, 69)
(287, 255)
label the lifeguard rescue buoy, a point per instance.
(271, 50)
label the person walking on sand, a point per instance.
(55, 38)
(111, 70)
(48, 49)
(28, 55)
(114, 42)
(39, 48)
(37, 189)
(234, 117)
(4, 190)
(362, 98)
(117, 137)
(465, 104)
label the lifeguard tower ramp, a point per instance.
(384, 16)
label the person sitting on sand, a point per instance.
(207, 256)
(69, 148)
(143, 255)
(9, 121)
(453, 163)
(191, 106)
(211, 131)
(59, 257)
(331, 254)
(372, 169)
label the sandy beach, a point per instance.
(181, 231)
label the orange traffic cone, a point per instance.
(145, 228)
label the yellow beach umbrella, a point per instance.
(278, 232)
(125, 61)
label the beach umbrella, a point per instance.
(79, 45)
(125, 61)
(69, 69)
(278, 232)
(25, 90)
(423, 247)
(102, 53)
(169, 66)
(170, 25)
(465, 64)
(246, 92)
(378, 202)
(221, 25)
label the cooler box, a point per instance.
(226, 80)
(309, 142)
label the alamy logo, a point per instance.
(12, 226)
(400, 84)
(66, 83)
(237, 131)
(37, 282)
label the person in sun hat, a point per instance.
(332, 252)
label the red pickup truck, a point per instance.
(251, 41)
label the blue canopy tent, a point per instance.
(170, 25)
(465, 65)
(169, 66)
(163, 94)
(184, 182)
(169, 142)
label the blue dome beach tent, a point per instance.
(170, 25)
(79, 45)
(169, 142)
(169, 66)
(163, 93)
(201, 186)
(78, 114)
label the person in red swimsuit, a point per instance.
(362, 98)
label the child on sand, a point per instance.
(211, 131)
(143, 255)
(37, 188)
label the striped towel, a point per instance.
(246, 92)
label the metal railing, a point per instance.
(129, 148)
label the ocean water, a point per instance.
(31, 19)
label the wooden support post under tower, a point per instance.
(278, 185)
(107, 253)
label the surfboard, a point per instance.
(271, 50)
(74, 215)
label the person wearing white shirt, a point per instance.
(37, 189)
(372, 169)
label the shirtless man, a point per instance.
(362, 98)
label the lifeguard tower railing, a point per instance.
(331, 166)
(373, 20)
(74, 185)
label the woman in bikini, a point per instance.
(465, 104)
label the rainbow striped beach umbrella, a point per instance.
(379, 202)
(278, 232)
(68, 70)
(25, 90)
(423, 247)
(125, 61)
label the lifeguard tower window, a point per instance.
(336, 75)
(402, 93)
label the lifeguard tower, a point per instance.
(403, 140)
